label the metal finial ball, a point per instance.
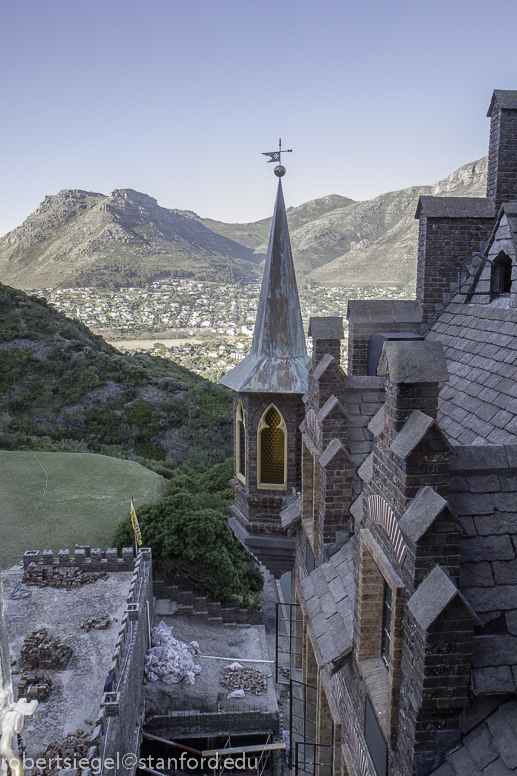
(280, 170)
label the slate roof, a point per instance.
(291, 515)
(329, 328)
(384, 310)
(329, 597)
(479, 404)
(455, 207)
(489, 749)
(504, 98)
(508, 209)
(432, 596)
(484, 498)
(413, 362)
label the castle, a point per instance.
(389, 491)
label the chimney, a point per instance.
(502, 154)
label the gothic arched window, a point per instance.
(272, 449)
(501, 277)
(240, 443)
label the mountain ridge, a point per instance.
(78, 238)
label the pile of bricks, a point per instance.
(247, 679)
(34, 687)
(95, 623)
(59, 754)
(40, 650)
(59, 576)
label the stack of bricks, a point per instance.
(95, 623)
(40, 650)
(59, 576)
(34, 688)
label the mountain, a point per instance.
(65, 389)
(78, 238)
(376, 241)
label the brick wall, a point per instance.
(85, 558)
(376, 316)
(443, 243)
(258, 509)
(502, 156)
(435, 688)
(335, 498)
(121, 713)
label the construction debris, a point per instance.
(95, 623)
(34, 687)
(170, 660)
(73, 746)
(39, 575)
(40, 650)
(250, 680)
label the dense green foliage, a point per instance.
(63, 388)
(190, 538)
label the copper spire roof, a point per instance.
(278, 359)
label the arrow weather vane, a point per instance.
(276, 156)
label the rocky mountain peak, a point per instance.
(81, 238)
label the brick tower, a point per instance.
(268, 386)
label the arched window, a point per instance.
(272, 449)
(240, 443)
(501, 277)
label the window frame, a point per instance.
(240, 425)
(501, 275)
(261, 426)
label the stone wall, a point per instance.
(85, 559)
(117, 726)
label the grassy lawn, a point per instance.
(86, 497)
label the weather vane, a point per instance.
(276, 156)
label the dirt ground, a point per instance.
(78, 690)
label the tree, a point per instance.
(191, 540)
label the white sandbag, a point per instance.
(169, 659)
(236, 694)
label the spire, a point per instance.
(278, 359)
(278, 326)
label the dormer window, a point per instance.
(501, 277)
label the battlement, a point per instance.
(85, 559)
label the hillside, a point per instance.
(337, 241)
(63, 388)
(87, 496)
(378, 238)
(78, 239)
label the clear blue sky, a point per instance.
(179, 99)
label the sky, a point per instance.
(179, 99)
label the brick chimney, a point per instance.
(502, 153)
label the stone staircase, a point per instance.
(171, 600)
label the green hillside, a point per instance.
(86, 497)
(64, 389)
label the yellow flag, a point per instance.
(134, 523)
